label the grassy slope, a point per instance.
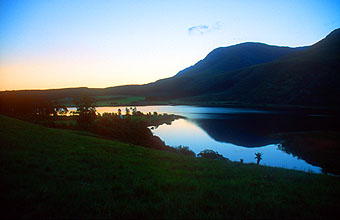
(59, 173)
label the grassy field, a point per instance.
(53, 173)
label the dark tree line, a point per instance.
(127, 130)
(29, 106)
(86, 111)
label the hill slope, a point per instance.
(237, 57)
(52, 173)
(304, 76)
(220, 60)
(309, 77)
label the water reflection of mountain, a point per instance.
(255, 130)
(320, 149)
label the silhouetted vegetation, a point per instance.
(29, 107)
(132, 131)
(210, 154)
(127, 111)
(86, 111)
(258, 157)
(184, 150)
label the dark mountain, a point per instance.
(191, 81)
(235, 57)
(309, 77)
(254, 73)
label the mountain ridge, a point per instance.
(258, 50)
(287, 80)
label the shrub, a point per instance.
(210, 154)
(184, 150)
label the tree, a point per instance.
(210, 154)
(185, 150)
(27, 105)
(258, 157)
(127, 110)
(86, 110)
(60, 109)
(134, 111)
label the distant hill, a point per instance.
(236, 57)
(309, 77)
(303, 76)
(192, 80)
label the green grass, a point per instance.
(53, 173)
(66, 122)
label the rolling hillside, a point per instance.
(53, 173)
(193, 80)
(309, 77)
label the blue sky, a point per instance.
(69, 43)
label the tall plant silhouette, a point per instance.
(258, 157)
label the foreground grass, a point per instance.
(55, 173)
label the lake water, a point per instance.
(236, 133)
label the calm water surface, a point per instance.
(235, 133)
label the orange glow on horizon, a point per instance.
(58, 71)
(46, 74)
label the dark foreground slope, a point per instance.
(51, 173)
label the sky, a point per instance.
(86, 43)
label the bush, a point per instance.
(127, 130)
(210, 154)
(184, 150)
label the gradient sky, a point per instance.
(102, 43)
